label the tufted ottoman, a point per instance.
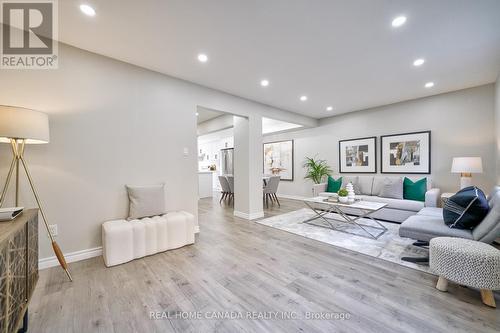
(123, 240)
(468, 263)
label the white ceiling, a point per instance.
(268, 125)
(204, 114)
(338, 52)
(273, 125)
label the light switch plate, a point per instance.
(53, 229)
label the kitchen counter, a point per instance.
(205, 184)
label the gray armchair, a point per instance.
(428, 224)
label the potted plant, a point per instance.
(343, 195)
(316, 169)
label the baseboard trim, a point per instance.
(70, 257)
(247, 216)
(48, 262)
(292, 197)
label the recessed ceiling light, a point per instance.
(202, 57)
(399, 21)
(264, 83)
(197, 114)
(303, 98)
(87, 10)
(429, 84)
(418, 62)
(329, 108)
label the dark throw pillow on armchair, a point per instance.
(466, 209)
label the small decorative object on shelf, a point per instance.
(213, 167)
(8, 214)
(334, 197)
(343, 196)
(350, 193)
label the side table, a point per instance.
(445, 196)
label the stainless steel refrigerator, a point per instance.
(226, 161)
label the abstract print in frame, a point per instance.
(278, 159)
(358, 155)
(406, 153)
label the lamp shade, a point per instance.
(21, 123)
(467, 165)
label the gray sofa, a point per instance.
(429, 223)
(368, 188)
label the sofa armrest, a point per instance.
(318, 188)
(432, 197)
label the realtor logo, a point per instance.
(29, 34)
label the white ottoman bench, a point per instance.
(466, 262)
(123, 240)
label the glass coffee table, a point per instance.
(322, 207)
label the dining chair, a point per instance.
(226, 190)
(269, 191)
(230, 180)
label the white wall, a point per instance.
(461, 123)
(497, 122)
(111, 124)
(248, 159)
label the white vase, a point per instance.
(343, 199)
(350, 192)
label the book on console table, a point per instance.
(8, 214)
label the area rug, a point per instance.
(388, 246)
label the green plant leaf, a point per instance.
(316, 169)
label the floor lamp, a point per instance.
(19, 126)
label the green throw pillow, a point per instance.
(414, 190)
(334, 185)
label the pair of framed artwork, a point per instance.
(401, 153)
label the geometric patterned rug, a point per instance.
(388, 247)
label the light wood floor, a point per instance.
(237, 265)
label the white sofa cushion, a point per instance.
(151, 238)
(392, 188)
(410, 205)
(425, 228)
(117, 242)
(378, 183)
(180, 229)
(431, 211)
(161, 233)
(139, 240)
(365, 184)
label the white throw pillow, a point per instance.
(146, 201)
(392, 188)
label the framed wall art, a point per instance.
(278, 159)
(358, 155)
(406, 153)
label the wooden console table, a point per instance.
(18, 268)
